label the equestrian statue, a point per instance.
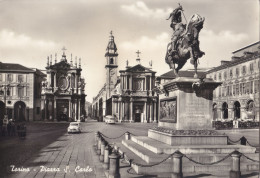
(184, 43)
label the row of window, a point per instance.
(237, 71)
(238, 89)
(20, 92)
(10, 78)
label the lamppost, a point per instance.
(5, 92)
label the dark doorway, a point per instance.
(225, 110)
(19, 111)
(62, 110)
(137, 117)
(237, 109)
(2, 110)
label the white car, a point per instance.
(110, 119)
(74, 127)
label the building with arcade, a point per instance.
(20, 92)
(238, 96)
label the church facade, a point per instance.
(63, 95)
(130, 96)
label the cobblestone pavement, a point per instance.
(69, 153)
(72, 155)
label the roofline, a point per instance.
(245, 47)
(232, 63)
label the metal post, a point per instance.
(127, 136)
(235, 166)
(106, 158)
(102, 149)
(114, 166)
(177, 165)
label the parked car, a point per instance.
(74, 127)
(110, 119)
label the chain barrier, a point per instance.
(155, 164)
(257, 161)
(115, 137)
(216, 162)
(252, 145)
(233, 141)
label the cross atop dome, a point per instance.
(138, 57)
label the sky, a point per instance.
(31, 30)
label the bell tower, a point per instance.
(111, 65)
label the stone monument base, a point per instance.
(187, 137)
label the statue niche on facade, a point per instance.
(184, 43)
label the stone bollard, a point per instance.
(96, 138)
(114, 166)
(102, 150)
(106, 158)
(127, 136)
(99, 146)
(177, 165)
(243, 140)
(235, 166)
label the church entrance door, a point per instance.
(62, 110)
(137, 117)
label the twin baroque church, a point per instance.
(130, 96)
(63, 96)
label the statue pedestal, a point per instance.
(185, 113)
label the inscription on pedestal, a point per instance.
(196, 109)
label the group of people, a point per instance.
(9, 128)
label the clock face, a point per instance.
(63, 83)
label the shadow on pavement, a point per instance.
(250, 174)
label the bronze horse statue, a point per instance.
(187, 46)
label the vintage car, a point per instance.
(110, 119)
(74, 127)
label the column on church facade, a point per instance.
(151, 112)
(45, 109)
(79, 109)
(55, 82)
(120, 109)
(49, 79)
(70, 109)
(155, 112)
(123, 111)
(145, 110)
(145, 84)
(131, 110)
(55, 110)
(130, 82)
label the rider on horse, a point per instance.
(177, 26)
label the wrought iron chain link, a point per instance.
(216, 162)
(250, 158)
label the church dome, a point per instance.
(111, 47)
